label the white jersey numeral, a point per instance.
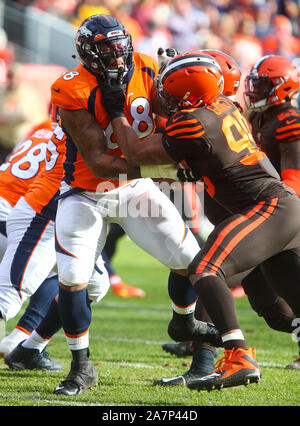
(142, 121)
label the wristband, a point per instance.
(186, 175)
(116, 114)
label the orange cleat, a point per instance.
(123, 290)
(237, 367)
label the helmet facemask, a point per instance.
(257, 92)
(170, 102)
(101, 56)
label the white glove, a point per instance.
(164, 55)
(159, 171)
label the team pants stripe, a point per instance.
(217, 254)
(25, 250)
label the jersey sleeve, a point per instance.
(147, 64)
(70, 91)
(181, 133)
(288, 126)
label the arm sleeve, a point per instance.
(70, 91)
(182, 132)
(288, 129)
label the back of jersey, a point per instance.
(23, 165)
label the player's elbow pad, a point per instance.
(291, 177)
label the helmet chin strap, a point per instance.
(116, 74)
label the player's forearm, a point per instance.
(126, 138)
(137, 152)
(109, 167)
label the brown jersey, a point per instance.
(282, 125)
(215, 141)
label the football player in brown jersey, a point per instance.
(203, 353)
(269, 89)
(207, 131)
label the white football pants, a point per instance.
(147, 216)
(30, 258)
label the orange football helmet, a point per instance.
(230, 70)
(189, 80)
(273, 80)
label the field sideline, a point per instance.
(125, 342)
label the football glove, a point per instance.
(113, 95)
(186, 175)
(164, 55)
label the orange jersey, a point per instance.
(42, 193)
(24, 164)
(78, 89)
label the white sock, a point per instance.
(35, 341)
(235, 335)
(115, 279)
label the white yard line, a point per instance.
(48, 401)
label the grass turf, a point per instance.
(125, 342)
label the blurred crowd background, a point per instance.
(245, 29)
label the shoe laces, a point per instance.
(219, 366)
(222, 363)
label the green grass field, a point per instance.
(125, 342)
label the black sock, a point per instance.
(183, 319)
(220, 306)
(81, 355)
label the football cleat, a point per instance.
(295, 365)
(237, 367)
(83, 375)
(197, 330)
(124, 290)
(184, 380)
(30, 359)
(181, 349)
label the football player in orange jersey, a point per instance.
(17, 174)
(207, 131)
(30, 254)
(96, 191)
